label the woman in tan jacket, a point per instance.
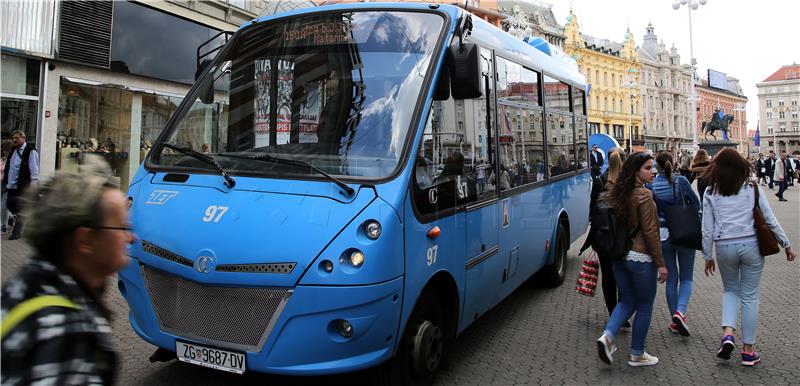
(635, 275)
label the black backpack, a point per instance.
(608, 236)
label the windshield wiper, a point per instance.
(229, 182)
(348, 191)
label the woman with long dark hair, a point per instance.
(699, 165)
(669, 189)
(728, 223)
(637, 273)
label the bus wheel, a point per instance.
(422, 347)
(553, 275)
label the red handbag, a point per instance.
(587, 277)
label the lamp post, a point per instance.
(630, 86)
(740, 109)
(691, 5)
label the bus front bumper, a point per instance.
(306, 337)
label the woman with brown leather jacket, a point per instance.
(637, 273)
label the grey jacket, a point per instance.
(731, 217)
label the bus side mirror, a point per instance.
(465, 71)
(207, 88)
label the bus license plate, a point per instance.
(210, 357)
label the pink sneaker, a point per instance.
(680, 322)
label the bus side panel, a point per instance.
(426, 256)
(578, 205)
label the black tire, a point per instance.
(422, 348)
(553, 275)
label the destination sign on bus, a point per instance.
(319, 33)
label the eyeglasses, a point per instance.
(125, 228)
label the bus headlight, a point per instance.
(356, 259)
(372, 229)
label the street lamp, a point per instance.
(630, 86)
(691, 5)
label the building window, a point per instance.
(769, 114)
(794, 115)
(20, 100)
(769, 130)
(783, 129)
(794, 102)
(781, 115)
(780, 102)
(769, 103)
(795, 126)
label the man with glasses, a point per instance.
(55, 328)
(21, 171)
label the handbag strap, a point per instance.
(755, 190)
(683, 201)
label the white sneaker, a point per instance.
(606, 349)
(642, 360)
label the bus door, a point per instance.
(484, 269)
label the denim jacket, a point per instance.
(731, 217)
(663, 194)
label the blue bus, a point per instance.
(354, 185)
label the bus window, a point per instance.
(581, 135)
(521, 133)
(560, 147)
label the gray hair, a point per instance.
(15, 132)
(67, 201)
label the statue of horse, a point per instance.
(716, 123)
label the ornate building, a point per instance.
(730, 100)
(778, 110)
(665, 88)
(525, 18)
(612, 71)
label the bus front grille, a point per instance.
(231, 317)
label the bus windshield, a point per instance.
(336, 90)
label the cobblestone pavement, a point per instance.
(546, 336)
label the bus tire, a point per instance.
(422, 347)
(553, 275)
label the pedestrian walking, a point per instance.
(22, 171)
(781, 176)
(637, 274)
(55, 328)
(728, 224)
(770, 164)
(597, 161)
(5, 152)
(699, 165)
(669, 190)
(761, 170)
(685, 165)
(600, 188)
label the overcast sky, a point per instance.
(748, 40)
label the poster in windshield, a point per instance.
(285, 81)
(309, 113)
(263, 78)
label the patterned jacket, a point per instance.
(55, 345)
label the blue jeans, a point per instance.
(782, 185)
(680, 264)
(637, 291)
(740, 266)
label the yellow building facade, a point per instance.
(612, 71)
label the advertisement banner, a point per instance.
(309, 113)
(263, 77)
(285, 87)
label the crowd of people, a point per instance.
(642, 189)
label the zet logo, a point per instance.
(160, 197)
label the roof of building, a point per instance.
(605, 46)
(788, 72)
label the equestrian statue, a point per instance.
(719, 121)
